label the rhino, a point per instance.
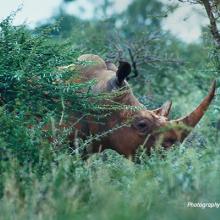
(131, 128)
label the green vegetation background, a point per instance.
(43, 180)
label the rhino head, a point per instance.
(140, 127)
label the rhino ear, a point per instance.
(111, 66)
(164, 110)
(123, 71)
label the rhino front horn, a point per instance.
(194, 117)
(123, 71)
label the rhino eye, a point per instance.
(142, 126)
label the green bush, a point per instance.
(43, 180)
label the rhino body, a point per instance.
(131, 129)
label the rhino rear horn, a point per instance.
(164, 110)
(123, 71)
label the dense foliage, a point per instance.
(48, 180)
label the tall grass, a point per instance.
(108, 186)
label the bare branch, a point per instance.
(133, 62)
